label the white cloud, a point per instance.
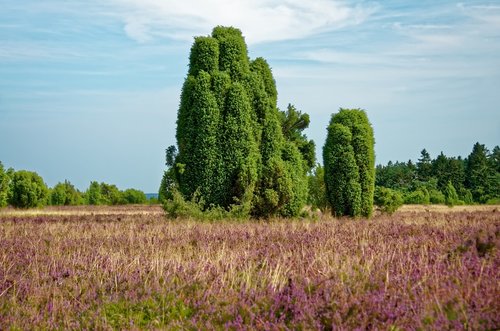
(260, 20)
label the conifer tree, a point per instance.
(479, 173)
(349, 162)
(231, 148)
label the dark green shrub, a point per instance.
(387, 200)
(28, 190)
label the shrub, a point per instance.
(466, 196)
(451, 195)
(28, 190)
(436, 197)
(493, 201)
(418, 197)
(387, 200)
(178, 207)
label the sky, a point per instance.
(89, 90)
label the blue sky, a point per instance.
(89, 90)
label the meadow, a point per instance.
(129, 267)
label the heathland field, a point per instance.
(131, 268)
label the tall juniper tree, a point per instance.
(231, 148)
(349, 162)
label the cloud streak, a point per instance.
(261, 20)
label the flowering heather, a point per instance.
(130, 268)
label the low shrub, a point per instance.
(387, 200)
(419, 197)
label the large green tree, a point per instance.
(424, 166)
(231, 148)
(349, 161)
(27, 190)
(93, 194)
(65, 194)
(481, 177)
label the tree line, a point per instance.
(450, 180)
(27, 189)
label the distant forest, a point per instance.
(444, 179)
(27, 189)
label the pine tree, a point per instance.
(478, 173)
(424, 166)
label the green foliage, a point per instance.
(65, 194)
(178, 207)
(387, 200)
(110, 194)
(349, 160)
(293, 123)
(240, 160)
(93, 194)
(398, 175)
(27, 190)
(494, 159)
(466, 196)
(152, 313)
(294, 166)
(168, 181)
(481, 177)
(451, 195)
(493, 201)
(424, 166)
(4, 186)
(446, 169)
(133, 196)
(436, 197)
(343, 189)
(204, 55)
(420, 196)
(317, 189)
(231, 148)
(475, 179)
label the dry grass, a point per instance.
(129, 267)
(446, 209)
